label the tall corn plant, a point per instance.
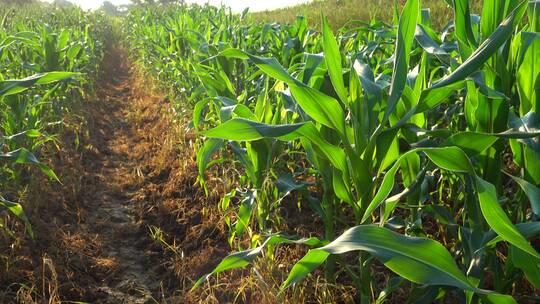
(399, 124)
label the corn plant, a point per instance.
(399, 124)
(47, 59)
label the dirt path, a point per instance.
(115, 174)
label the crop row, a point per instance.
(415, 148)
(48, 58)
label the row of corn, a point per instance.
(415, 148)
(48, 58)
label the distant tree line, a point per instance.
(108, 7)
(105, 4)
(17, 2)
(24, 2)
(149, 2)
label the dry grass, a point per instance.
(339, 12)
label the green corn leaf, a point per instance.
(429, 99)
(534, 15)
(332, 58)
(341, 188)
(204, 154)
(385, 188)
(23, 156)
(311, 261)
(286, 185)
(393, 285)
(405, 38)
(198, 112)
(268, 65)
(471, 142)
(387, 149)
(498, 220)
(419, 260)
(322, 108)
(312, 62)
(529, 266)
(463, 28)
(18, 211)
(239, 129)
(244, 258)
(449, 158)
(454, 159)
(11, 87)
(495, 298)
(524, 126)
(246, 209)
(428, 44)
(532, 192)
(272, 67)
(528, 230)
(73, 51)
(485, 50)
(528, 78)
(374, 92)
(530, 152)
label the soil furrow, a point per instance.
(111, 211)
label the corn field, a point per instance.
(377, 128)
(47, 58)
(408, 147)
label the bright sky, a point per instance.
(236, 5)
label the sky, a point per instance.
(236, 5)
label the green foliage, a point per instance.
(395, 124)
(48, 58)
